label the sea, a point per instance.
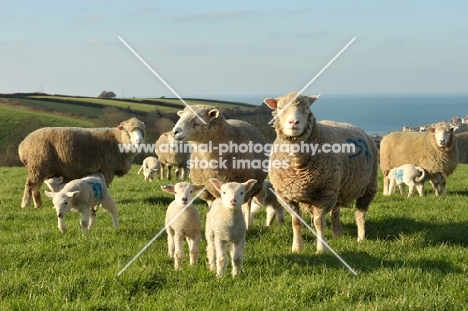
(380, 114)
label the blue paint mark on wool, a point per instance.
(97, 189)
(399, 174)
(361, 146)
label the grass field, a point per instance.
(415, 258)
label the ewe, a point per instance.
(84, 196)
(225, 223)
(224, 161)
(186, 225)
(435, 151)
(73, 153)
(322, 182)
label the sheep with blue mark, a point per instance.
(322, 182)
(83, 196)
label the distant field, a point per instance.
(92, 106)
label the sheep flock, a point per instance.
(315, 167)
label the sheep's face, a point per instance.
(190, 127)
(292, 113)
(184, 192)
(442, 135)
(233, 193)
(135, 129)
(63, 201)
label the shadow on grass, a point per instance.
(162, 200)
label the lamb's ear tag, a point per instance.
(120, 127)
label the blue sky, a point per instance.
(214, 48)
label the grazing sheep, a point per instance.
(73, 153)
(187, 225)
(320, 182)
(225, 223)
(409, 174)
(435, 151)
(224, 161)
(172, 154)
(267, 199)
(84, 196)
(150, 166)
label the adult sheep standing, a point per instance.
(224, 161)
(73, 153)
(322, 182)
(172, 154)
(435, 151)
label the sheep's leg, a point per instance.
(237, 255)
(319, 223)
(271, 214)
(411, 190)
(435, 185)
(298, 243)
(170, 242)
(386, 181)
(194, 243)
(109, 205)
(26, 195)
(420, 189)
(168, 172)
(254, 208)
(279, 210)
(246, 211)
(337, 230)
(179, 249)
(84, 221)
(177, 173)
(211, 251)
(221, 257)
(92, 220)
(32, 189)
(161, 172)
(401, 187)
(391, 187)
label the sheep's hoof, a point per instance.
(360, 239)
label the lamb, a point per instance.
(223, 158)
(267, 199)
(84, 196)
(73, 153)
(186, 225)
(172, 154)
(225, 223)
(435, 151)
(409, 174)
(55, 184)
(150, 166)
(320, 181)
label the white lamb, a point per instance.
(55, 184)
(84, 196)
(409, 174)
(186, 225)
(150, 166)
(225, 223)
(267, 199)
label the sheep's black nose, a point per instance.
(59, 215)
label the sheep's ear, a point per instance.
(180, 113)
(168, 188)
(213, 113)
(249, 184)
(72, 194)
(50, 194)
(197, 188)
(120, 127)
(431, 129)
(216, 183)
(271, 103)
(60, 179)
(311, 99)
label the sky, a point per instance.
(214, 48)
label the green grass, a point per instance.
(15, 121)
(415, 258)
